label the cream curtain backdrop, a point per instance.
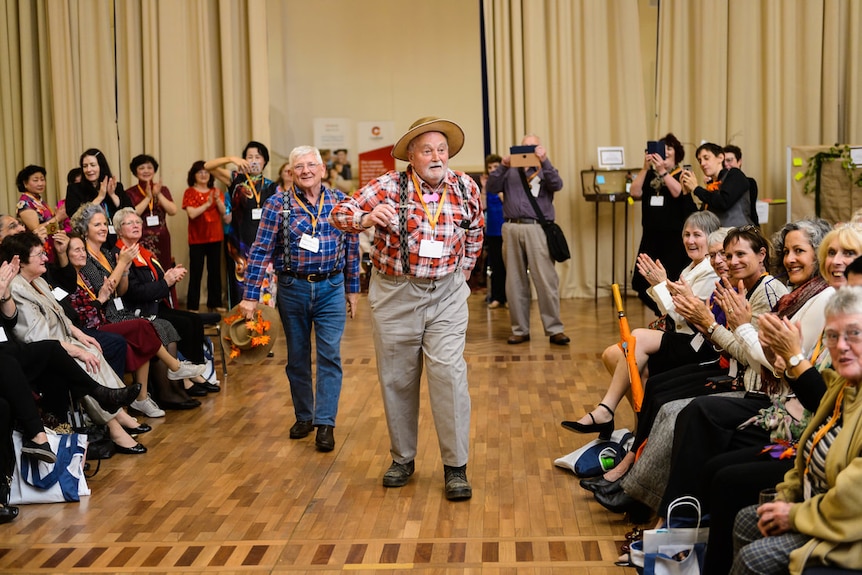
(570, 72)
(197, 79)
(762, 75)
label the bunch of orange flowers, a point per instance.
(256, 325)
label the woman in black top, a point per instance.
(664, 210)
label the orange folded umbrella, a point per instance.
(627, 343)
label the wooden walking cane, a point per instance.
(627, 343)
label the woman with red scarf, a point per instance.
(149, 295)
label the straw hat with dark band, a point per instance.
(453, 132)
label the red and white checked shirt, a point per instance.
(460, 225)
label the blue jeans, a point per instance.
(321, 305)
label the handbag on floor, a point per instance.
(597, 456)
(674, 550)
(40, 482)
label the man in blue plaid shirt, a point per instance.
(317, 270)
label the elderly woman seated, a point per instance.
(40, 317)
(815, 519)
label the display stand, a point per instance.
(611, 187)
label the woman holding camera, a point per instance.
(664, 210)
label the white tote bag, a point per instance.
(673, 550)
(40, 482)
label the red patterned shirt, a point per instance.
(459, 227)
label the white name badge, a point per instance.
(733, 369)
(309, 243)
(118, 303)
(431, 249)
(152, 221)
(256, 213)
(656, 201)
(697, 341)
(111, 229)
(3, 338)
(535, 184)
(59, 293)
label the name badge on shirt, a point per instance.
(697, 341)
(256, 213)
(431, 249)
(3, 338)
(111, 229)
(59, 293)
(733, 370)
(118, 303)
(656, 201)
(309, 243)
(535, 184)
(152, 221)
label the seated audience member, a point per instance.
(658, 351)
(148, 294)
(40, 317)
(733, 159)
(710, 426)
(113, 346)
(140, 334)
(726, 191)
(736, 478)
(741, 259)
(815, 517)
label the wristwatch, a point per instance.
(712, 327)
(795, 360)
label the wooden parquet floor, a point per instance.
(224, 490)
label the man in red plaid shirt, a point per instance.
(427, 236)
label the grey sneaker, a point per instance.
(398, 474)
(186, 369)
(148, 407)
(457, 486)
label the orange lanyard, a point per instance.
(83, 283)
(432, 220)
(254, 190)
(836, 413)
(307, 211)
(143, 193)
(100, 257)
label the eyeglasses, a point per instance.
(851, 336)
(299, 168)
(131, 223)
(714, 255)
(40, 254)
(749, 228)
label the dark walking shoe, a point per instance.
(301, 429)
(457, 486)
(398, 474)
(325, 440)
(39, 451)
(112, 399)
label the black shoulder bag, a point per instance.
(558, 247)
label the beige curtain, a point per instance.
(570, 72)
(762, 75)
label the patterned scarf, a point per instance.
(787, 306)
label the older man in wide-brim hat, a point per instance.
(428, 226)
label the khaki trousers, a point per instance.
(526, 247)
(418, 322)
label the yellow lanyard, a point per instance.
(143, 193)
(432, 220)
(307, 211)
(825, 428)
(254, 190)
